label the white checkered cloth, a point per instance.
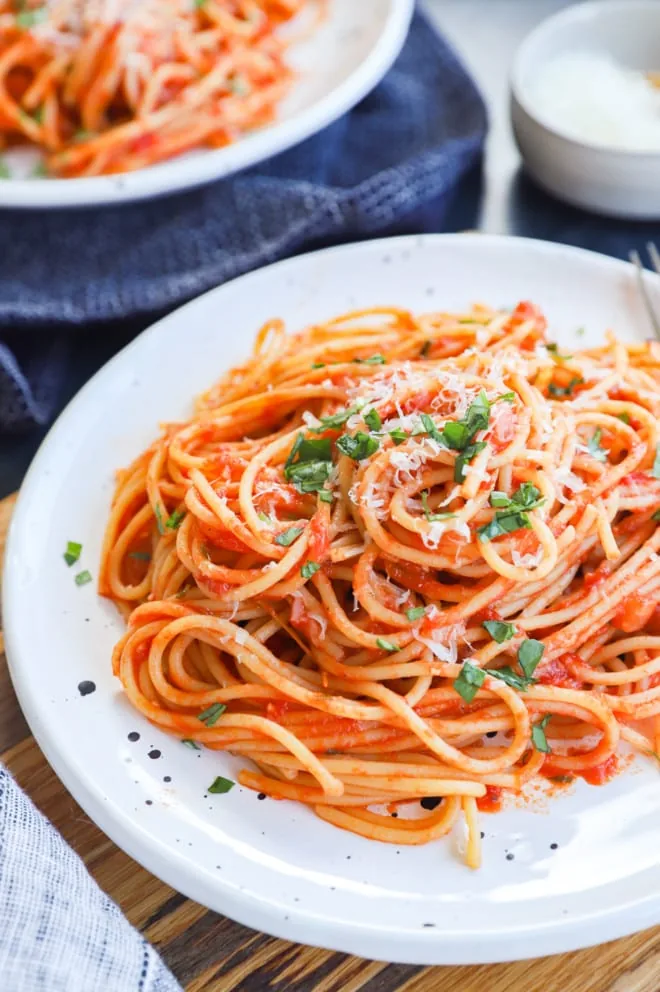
(58, 931)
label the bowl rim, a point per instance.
(575, 12)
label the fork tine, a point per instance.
(639, 268)
(654, 255)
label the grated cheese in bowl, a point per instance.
(594, 99)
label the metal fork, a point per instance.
(654, 255)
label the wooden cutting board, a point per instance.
(209, 953)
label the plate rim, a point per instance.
(423, 947)
(174, 177)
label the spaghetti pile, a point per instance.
(106, 86)
(398, 558)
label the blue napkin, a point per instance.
(58, 931)
(400, 150)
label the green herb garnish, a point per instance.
(373, 360)
(309, 568)
(539, 740)
(72, 553)
(191, 744)
(554, 353)
(385, 645)
(504, 522)
(558, 391)
(499, 630)
(174, 520)
(209, 716)
(373, 421)
(594, 447)
(325, 496)
(398, 435)
(318, 365)
(430, 428)
(625, 417)
(358, 446)
(82, 578)
(221, 785)
(530, 653)
(309, 463)
(469, 681)
(335, 421)
(465, 457)
(288, 536)
(27, 19)
(415, 613)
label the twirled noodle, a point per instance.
(397, 557)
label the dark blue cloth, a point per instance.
(405, 146)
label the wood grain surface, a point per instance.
(209, 953)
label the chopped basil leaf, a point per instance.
(426, 347)
(655, 471)
(554, 354)
(318, 365)
(415, 613)
(29, 18)
(625, 417)
(594, 447)
(335, 421)
(174, 520)
(398, 435)
(465, 457)
(309, 568)
(431, 517)
(499, 630)
(373, 421)
(527, 496)
(506, 398)
(469, 681)
(72, 553)
(140, 555)
(539, 740)
(504, 522)
(309, 463)
(656, 517)
(511, 678)
(430, 428)
(455, 434)
(557, 391)
(82, 578)
(191, 744)
(373, 360)
(221, 785)
(386, 645)
(499, 499)
(530, 653)
(579, 332)
(359, 446)
(265, 517)
(288, 536)
(210, 715)
(325, 496)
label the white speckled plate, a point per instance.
(585, 867)
(337, 65)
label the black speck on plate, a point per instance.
(154, 753)
(86, 688)
(133, 736)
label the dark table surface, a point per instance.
(498, 198)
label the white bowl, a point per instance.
(608, 180)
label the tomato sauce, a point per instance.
(634, 613)
(557, 672)
(492, 801)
